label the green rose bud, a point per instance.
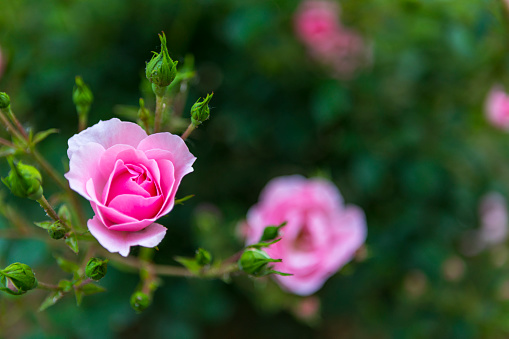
(200, 110)
(82, 95)
(57, 231)
(5, 101)
(96, 268)
(24, 180)
(17, 279)
(161, 70)
(140, 301)
(254, 261)
(271, 232)
(203, 257)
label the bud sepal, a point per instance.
(200, 111)
(96, 268)
(17, 279)
(24, 181)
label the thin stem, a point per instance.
(10, 128)
(188, 131)
(159, 113)
(51, 212)
(82, 121)
(62, 183)
(17, 123)
(7, 143)
(49, 287)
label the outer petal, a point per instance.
(121, 242)
(181, 158)
(83, 166)
(108, 133)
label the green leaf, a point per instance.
(51, 300)
(66, 265)
(43, 135)
(44, 224)
(182, 200)
(72, 242)
(89, 289)
(189, 263)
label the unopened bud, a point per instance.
(17, 279)
(96, 268)
(254, 261)
(161, 69)
(143, 113)
(5, 101)
(200, 110)
(57, 231)
(24, 180)
(140, 301)
(203, 257)
(271, 232)
(82, 95)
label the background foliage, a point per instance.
(405, 139)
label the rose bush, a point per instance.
(130, 179)
(321, 234)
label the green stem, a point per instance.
(82, 121)
(49, 287)
(159, 113)
(51, 212)
(62, 183)
(17, 123)
(7, 143)
(10, 128)
(188, 131)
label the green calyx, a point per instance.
(203, 257)
(200, 110)
(161, 70)
(17, 279)
(24, 181)
(5, 101)
(96, 268)
(82, 95)
(57, 230)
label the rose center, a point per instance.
(304, 240)
(132, 179)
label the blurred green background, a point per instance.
(405, 139)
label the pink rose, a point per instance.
(316, 22)
(130, 180)
(497, 107)
(321, 235)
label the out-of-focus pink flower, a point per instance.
(497, 107)
(321, 234)
(317, 25)
(130, 180)
(308, 308)
(493, 212)
(316, 22)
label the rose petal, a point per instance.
(136, 206)
(84, 166)
(121, 242)
(180, 156)
(107, 133)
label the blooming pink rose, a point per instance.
(321, 234)
(130, 180)
(497, 107)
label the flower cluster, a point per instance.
(328, 41)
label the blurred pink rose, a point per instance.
(130, 180)
(321, 235)
(493, 212)
(497, 107)
(316, 22)
(340, 48)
